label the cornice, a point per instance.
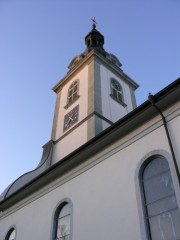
(73, 71)
(135, 119)
(94, 113)
(116, 70)
(102, 60)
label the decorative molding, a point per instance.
(55, 119)
(103, 118)
(86, 60)
(81, 122)
(84, 166)
(129, 129)
(118, 101)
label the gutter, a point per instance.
(151, 99)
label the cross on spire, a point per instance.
(94, 22)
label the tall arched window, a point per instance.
(11, 234)
(162, 213)
(117, 92)
(63, 222)
(73, 93)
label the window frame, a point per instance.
(116, 94)
(10, 232)
(72, 93)
(58, 210)
(146, 216)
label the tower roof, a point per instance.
(94, 40)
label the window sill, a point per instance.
(118, 101)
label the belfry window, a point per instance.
(63, 222)
(162, 213)
(117, 92)
(11, 234)
(73, 93)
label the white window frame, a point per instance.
(73, 93)
(58, 217)
(141, 172)
(117, 91)
(9, 234)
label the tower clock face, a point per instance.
(71, 118)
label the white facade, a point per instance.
(104, 190)
(70, 142)
(98, 175)
(82, 77)
(112, 109)
(97, 109)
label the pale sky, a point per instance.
(39, 38)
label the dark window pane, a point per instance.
(73, 92)
(162, 212)
(70, 92)
(75, 88)
(166, 226)
(161, 206)
(75, 95)
(114, 93)
(64, 226)
(66, 210)
(12, 235)
(156, 232)
(116, 90)
(154, 167)
(158, 187)
(67, 237)
(71, 88)
(120, 96)
(63, 223)
(70, 99)
(176, 222)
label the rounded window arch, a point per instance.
(161, 210)
(62, 225)
(73, 93)
(117, 91)
(11, 235)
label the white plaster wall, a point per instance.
(111, 109)
(69, 143)
(105, 197)
(174, 131)
(78, 136)
(100, 209)
(82, 101)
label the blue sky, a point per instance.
(39, 38)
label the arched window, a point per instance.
(162, 213)
(116, 91)
(11, 234)
(63, 222)
(73, 93)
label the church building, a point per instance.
(110, 169)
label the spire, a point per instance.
(94, 39)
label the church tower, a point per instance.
(93, 95)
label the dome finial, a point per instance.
(94, 22)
